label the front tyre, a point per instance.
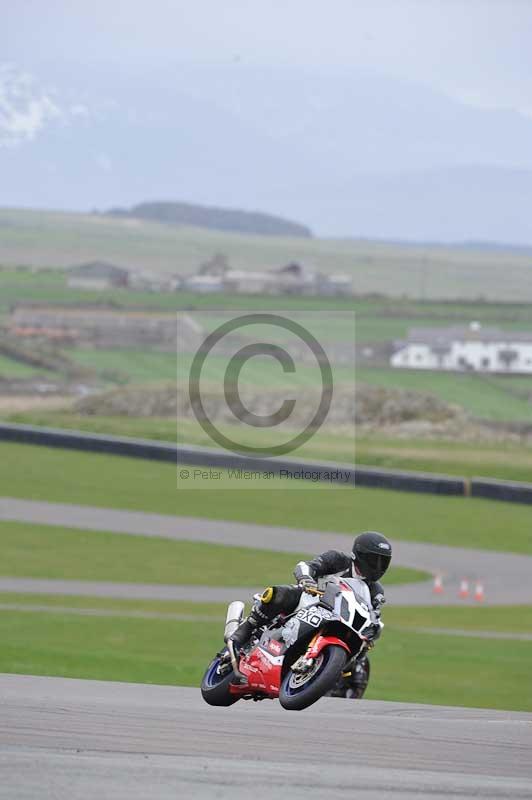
(215, 684)
(299, 691)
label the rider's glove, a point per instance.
(306, 582)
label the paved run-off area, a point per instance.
(83, 739)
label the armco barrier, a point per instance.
(371, 477)
(508, 491)
(207, 457)
(410, 481)
(88, 442)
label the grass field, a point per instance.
(489, 619)
(494, 397)
(214, 611)
(508, 461)
(114, 482)
(420, 668)
(58, 239)
(42, 551)
(14, 369)
(145, 367)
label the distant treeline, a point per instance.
(220, 219)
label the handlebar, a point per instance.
(316, 592)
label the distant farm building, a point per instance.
(215, 275)
(243, 281)
(97, 275)
(470, 348)
(153, 282)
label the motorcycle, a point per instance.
(296, 658)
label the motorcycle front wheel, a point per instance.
(301, 690)
(215, 684)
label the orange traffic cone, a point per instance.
(464, 589)
(479, 592)
(438, 585)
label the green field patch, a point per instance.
(504, 460)
(419, 668)
(9, 368)
(435, 668)
(115, 604)
(488, 619)
(490, 398)
(498, 619)
(135, 365)
(49, 474)
(45, 551)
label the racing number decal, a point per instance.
(313, 616)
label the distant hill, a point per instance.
(219, 219)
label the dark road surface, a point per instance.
(79, 740)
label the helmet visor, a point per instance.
(373, 565)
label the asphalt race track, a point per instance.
(78, 740)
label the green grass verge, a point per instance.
(435, 668)
(148, 367)
(501, 619)
(493, 398)
(43, 551)
(120, 605)
(48, 474)
(506, 460)
(494, 619)
(9, 368)
(420, 668)
(133, 365)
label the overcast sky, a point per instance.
(476, 50)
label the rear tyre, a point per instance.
(215, 685)
(301, 691)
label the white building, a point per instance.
(470, 348)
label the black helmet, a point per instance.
(372, 553)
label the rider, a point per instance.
(369, 560)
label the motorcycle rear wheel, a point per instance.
(297, 693)
(215, 686)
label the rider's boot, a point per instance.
(260, 615)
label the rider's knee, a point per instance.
(275, 599)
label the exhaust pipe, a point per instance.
(235, 615)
